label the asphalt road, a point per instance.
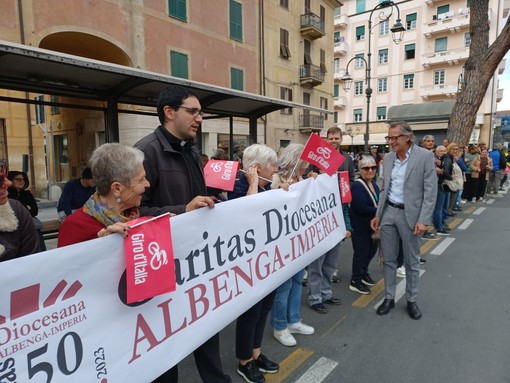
(464, 334)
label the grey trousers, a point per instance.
(320, 273)
(394, 228)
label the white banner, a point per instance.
(62, 316)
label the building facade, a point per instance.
(416, 79)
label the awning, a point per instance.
(432, 111)
(374, 139)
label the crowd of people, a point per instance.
(419, 185)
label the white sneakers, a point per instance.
(401, 272)
(285, 336)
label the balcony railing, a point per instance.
(311, 122)
(312, 26)
(340, 102)
(501, 66)
(340, 46)
(449, 21)
(443, 90)
(452, 57)
(342, 21)
(311, 75)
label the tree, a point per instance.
(483, 60)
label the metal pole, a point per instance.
(368, 90)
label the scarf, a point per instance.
(97, 209)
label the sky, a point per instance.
(504, 83)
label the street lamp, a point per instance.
(397, 33)
(352, 132)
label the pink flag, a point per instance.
(345, 187)
(321, 154)
(150, 268)
(221, 174)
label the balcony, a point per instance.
(499, 95)
(310, 122)
(451, 57)
(341, 21)
(311, 75)
(340, 102)
(448, 90)
(340, 46)
(312, 26)
(338, 74)
(450, 21)
(501, 66)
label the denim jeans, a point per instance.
(437, 215)
(287, 303)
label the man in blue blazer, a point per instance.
(405, 209)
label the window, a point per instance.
(358, 63)
(308, 52)
(410, 51)
(335, 117)
(324, 105)
(284, 4)
(284, 44)
(284, 143)
(442, 11)
(322, 13)
(383, 56)
(441, 44)
(381, 113)
(336, 89)
(323, 60)
(411, 21)
(54, 108)
(467, 39)
(468, 3)
(177, 9)
(360, 6)
(336, 38)
(408, 81)
(358, 115)
(39, 110)
(439, 76)
(360, 32)
(358, 88)
(336, 64)
(236, 21)
(286, 94)
(236, 79)
(382, 85)
(178, 64)
(384, 28)
(338, 11)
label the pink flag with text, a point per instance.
(321, 154)
(221, 174)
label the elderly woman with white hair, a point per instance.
(286, 311)
(365, 197)
(259, 165)
(120, 181)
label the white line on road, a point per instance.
(319, 371)
(465, 224)
(399, 291)
(478, 211)
(490, 202)
(442, 246)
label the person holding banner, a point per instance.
(365, 196)
(177, 185)
(405, 209)
(18, 236)
(259, 165)
(120, 181)
(285, 314)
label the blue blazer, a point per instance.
(362, 208)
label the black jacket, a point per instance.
(173, 184)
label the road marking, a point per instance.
(490, 202)
(289, 365)
(469, 210)
(442, 246)
(399, 291)
(427, 245)
(318, 372)
(466, 224)
(365, 300)
(479, 211)
(333, 327)
(455, 223)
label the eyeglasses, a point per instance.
(195, 112)
(393, 138)
(369, 168)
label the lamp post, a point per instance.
(352, 132)
(397, 31)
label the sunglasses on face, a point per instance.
(369, 168)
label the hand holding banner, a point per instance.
(221, 174)
(321, 154)
(150, 268)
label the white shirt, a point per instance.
(396, 192)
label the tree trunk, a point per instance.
(479, 70)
